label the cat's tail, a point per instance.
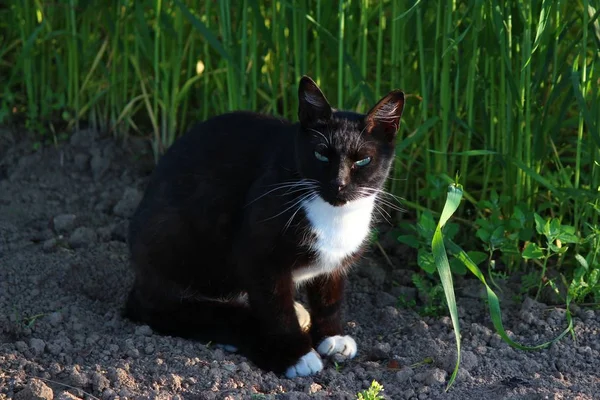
(227, 322)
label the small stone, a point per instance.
(21, 346)
(81, 161)
(49, 245)
(531, 305)
(78, 379)
(143, 330)
(37, 346)
(64, 223)
(99, 165)
(149, 349)
(128, 203)
(245, 367)
(104, 233)
(435, 377)
(67, 396)
(370, 269)
(82, 237)
(35, 390)
(404, 374)
(469, 360)
(384, 299)
(230, 367)
(314, 388)
(83, 138)
(99, 382)
(133, 353)
(339, 358)
(55, 318)
(119, 231)
(388, 317)
(379, 352)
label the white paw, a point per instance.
(338, 344)
(227, 347)
(308, 364)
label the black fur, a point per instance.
(215, 223)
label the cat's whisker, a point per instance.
(323, 136)
(291, 185)
(289, 222)
(298, 200)
(381, 213)
(383, 192)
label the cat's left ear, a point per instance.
(384, 118)
(313, 107)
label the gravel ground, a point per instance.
(64, 276)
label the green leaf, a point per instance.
(540, 225)
(483, 235)
(532, 251)
(457, 267)
(426, 261)
(443, 266)
(497, 238)
(409, 240)
(477, 256)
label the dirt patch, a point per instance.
(64, 276)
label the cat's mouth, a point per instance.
(336, 200)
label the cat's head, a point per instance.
(347, 153)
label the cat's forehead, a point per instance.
(345, 132)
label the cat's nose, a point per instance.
(338, 184)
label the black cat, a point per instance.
(244, 209)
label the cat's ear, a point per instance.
(313, 107)
(384, 118)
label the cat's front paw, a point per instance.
(344, 345)
(308, 364)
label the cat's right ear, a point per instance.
(313, 107)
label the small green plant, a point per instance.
(433, 292)
(337, 366)
(556, 236)
(438, 246)
(372, 393)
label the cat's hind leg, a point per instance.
(217, 321)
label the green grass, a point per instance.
(503, 94)
(508, 92)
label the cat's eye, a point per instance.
(321, 157)
(363, 162)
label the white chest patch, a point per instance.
(339, 232)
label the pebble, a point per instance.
(49, 245)
(99, 165)
(126, 206)
(119, 231)
(380, 351)
(82, 237)
(67, 396)
(404, 374)
(35, 390)
(37, 346)
(371, 269)
(99, 382)
(82, 161)
(432, 377)
(143, 330)
(385, 299)
(77, 378)
(64, 223)
(55, 318)
(21, 346)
